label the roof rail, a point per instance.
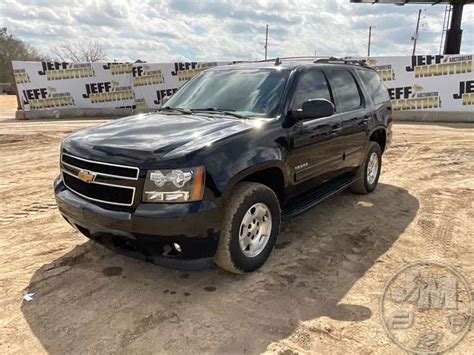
(287, 58)
(361, 62)
(317, 59)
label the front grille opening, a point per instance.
(101, 193)
(125, 245)
(128, 172)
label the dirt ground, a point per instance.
(8, 106)
(319, 292)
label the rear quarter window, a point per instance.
(374, 86)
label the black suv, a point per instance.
(236, 149)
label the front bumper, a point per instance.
(149, 231)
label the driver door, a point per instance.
(315, 149)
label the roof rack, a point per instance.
(313, 59)
(287, 58)
(360, 62)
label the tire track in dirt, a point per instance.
(440, 216)
(319, 291)
(28, 211)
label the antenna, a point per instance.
(370, 39)
(266, 42)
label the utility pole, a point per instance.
(370, 39)
(454, 34)
(446, 20)
(266, 43)
(415, 37)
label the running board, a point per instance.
(316, 196)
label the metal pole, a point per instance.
(415, 37)
(454, 34)
(442, 31)
(266, 43)
(370, 38)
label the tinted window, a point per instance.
(345, 89)
(374, 86)
(312, 85)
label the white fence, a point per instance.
(438, 83)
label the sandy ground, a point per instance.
(319, 291)
(8, 106)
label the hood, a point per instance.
(154, 134)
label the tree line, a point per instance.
(12, 48)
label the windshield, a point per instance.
(247, 92)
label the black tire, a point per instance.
(362, 185)
(229, 255)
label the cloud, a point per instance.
(168, 30)
(243, 10)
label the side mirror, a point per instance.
(315, 108)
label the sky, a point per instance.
(204, 30)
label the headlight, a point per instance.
(176, 185)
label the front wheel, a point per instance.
(369, 172)
(250, 228)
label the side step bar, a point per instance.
(316, 196)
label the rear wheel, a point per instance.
(249, 229)
(369, 172)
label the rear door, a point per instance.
(315, 151)
(376, 90)
(351, 108)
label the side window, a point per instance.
(312, 85)
(374, 86)
(345, 89)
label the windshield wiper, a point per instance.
(177, 109)
(219, 111)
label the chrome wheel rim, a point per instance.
(255, 230)
(372, 168)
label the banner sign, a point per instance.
(55, 85)
(443, 83)
(60, 85)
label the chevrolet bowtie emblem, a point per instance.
(86, 176)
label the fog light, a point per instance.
(177, 247)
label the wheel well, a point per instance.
(380, 137)
(271, 177)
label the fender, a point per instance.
(377, 128)
(253, 169)
(369, 134)
(374, 129)
(243, 154)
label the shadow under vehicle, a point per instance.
(94, 301)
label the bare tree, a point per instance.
(12, 48)
(80, 51)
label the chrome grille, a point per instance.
(108, 183)
(105, 169)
